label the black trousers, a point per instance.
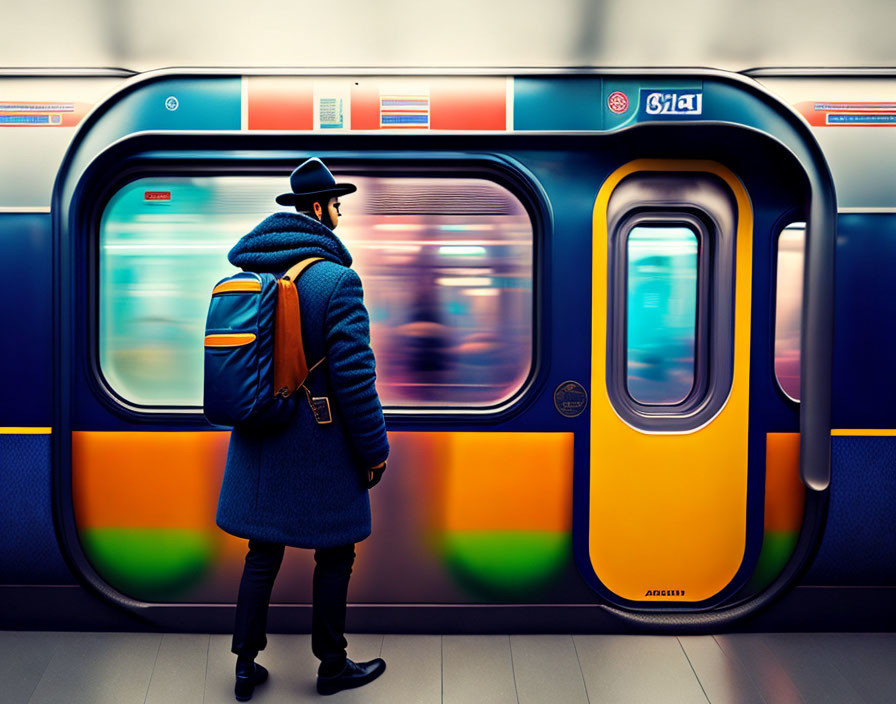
(331, 574)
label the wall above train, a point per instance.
(466, 33)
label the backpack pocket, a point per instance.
(238, 356)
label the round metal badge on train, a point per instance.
(570, 399)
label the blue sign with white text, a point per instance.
(861, 119)
(670, 104)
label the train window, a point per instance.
(661, 313)
(789, 307)
(447, 266)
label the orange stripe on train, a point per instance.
(147, 480)
(785, 494)
(235, 340)
(489, 481)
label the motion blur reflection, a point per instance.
(662, 313)
(446, 265)
(789, 307)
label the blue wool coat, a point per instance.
(303, 484)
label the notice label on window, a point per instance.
(157, 196)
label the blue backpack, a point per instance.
(254, 357)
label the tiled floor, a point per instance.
(140, 668)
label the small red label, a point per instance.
(157, 195)
(618, 102)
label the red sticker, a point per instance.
(618, 102)
(157, 195)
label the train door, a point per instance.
(672, 275)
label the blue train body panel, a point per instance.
(865, 322)
(859, 544)
(29, 548)
(26, 319)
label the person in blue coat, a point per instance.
(305, 484)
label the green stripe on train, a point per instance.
(150, 564)
(777, 547)
(506, 565)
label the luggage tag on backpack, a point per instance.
(320, 406)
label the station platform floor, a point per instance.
(43, 667)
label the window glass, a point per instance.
(446, 265)
(661, 313)
(788, 308)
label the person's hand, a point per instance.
(374, 474)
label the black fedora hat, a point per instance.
(311, 179)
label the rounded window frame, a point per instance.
(703, 203)
(498, 169)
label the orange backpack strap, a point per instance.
(296, 270)
(290, 365)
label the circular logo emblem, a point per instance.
(171, 103)
(618, 102)
(570, 399)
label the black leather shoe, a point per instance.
(354, 674)
(246, 681)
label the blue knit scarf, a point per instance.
(282, 239)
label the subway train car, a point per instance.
(633, 330)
